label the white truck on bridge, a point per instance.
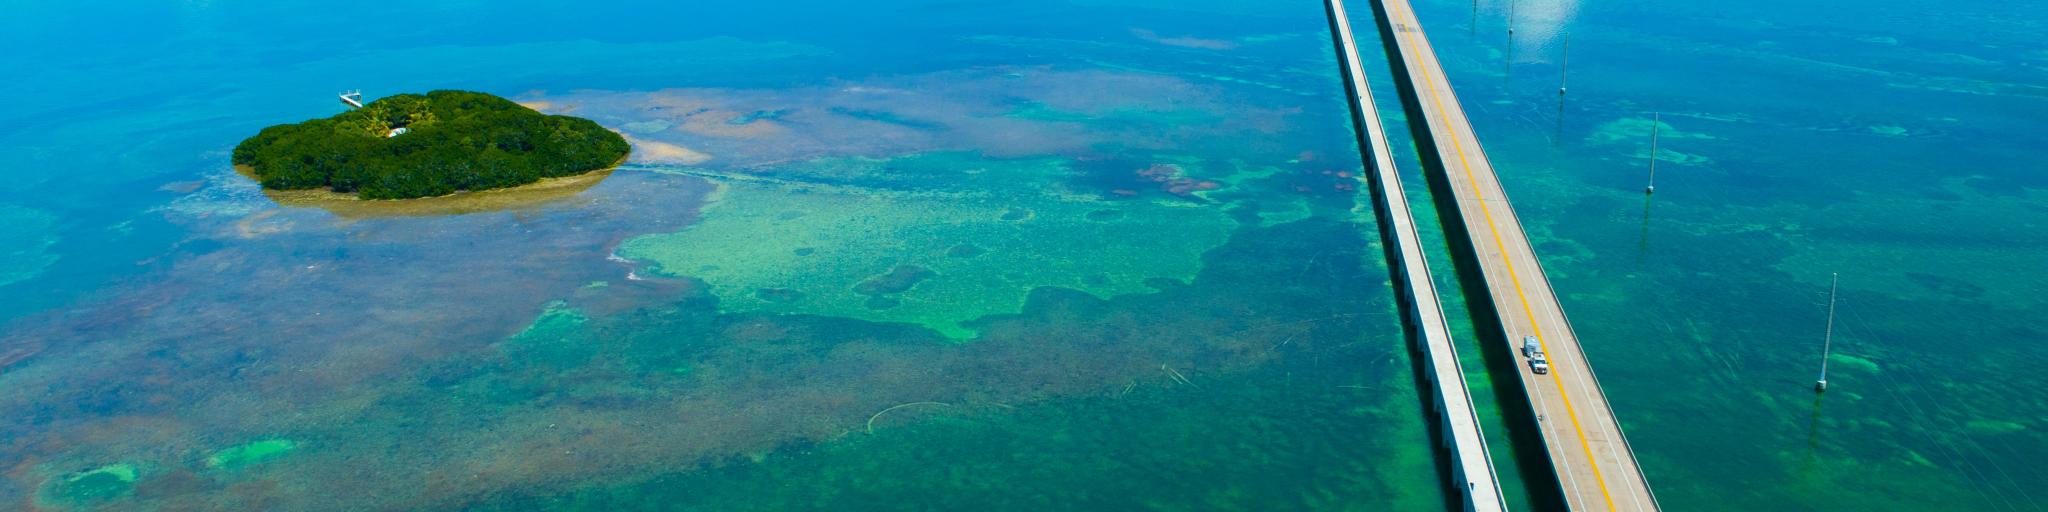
(1533, 349)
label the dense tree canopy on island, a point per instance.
(453, 140)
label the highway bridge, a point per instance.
(1594, 466)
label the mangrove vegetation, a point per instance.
(412, 145)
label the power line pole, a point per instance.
(1656, 122)
(1827, 343)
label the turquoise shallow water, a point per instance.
(897, 256)
(1098, 254)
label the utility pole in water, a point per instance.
(1656, 122)
(1508, 59)
(1564, 65)
(1827, 343)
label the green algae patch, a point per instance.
(1993, 427)
(109, 481)
(1636, 130)
(1629, 132)
(937, 251)
(245, 455)
(557, 321)
(556, 336)
(898, 280)
(1849, 362)
(1276, 213)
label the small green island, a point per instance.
(412, 146)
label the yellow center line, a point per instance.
(1513, 278)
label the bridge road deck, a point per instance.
(1595, 467)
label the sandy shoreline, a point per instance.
(547, 190)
